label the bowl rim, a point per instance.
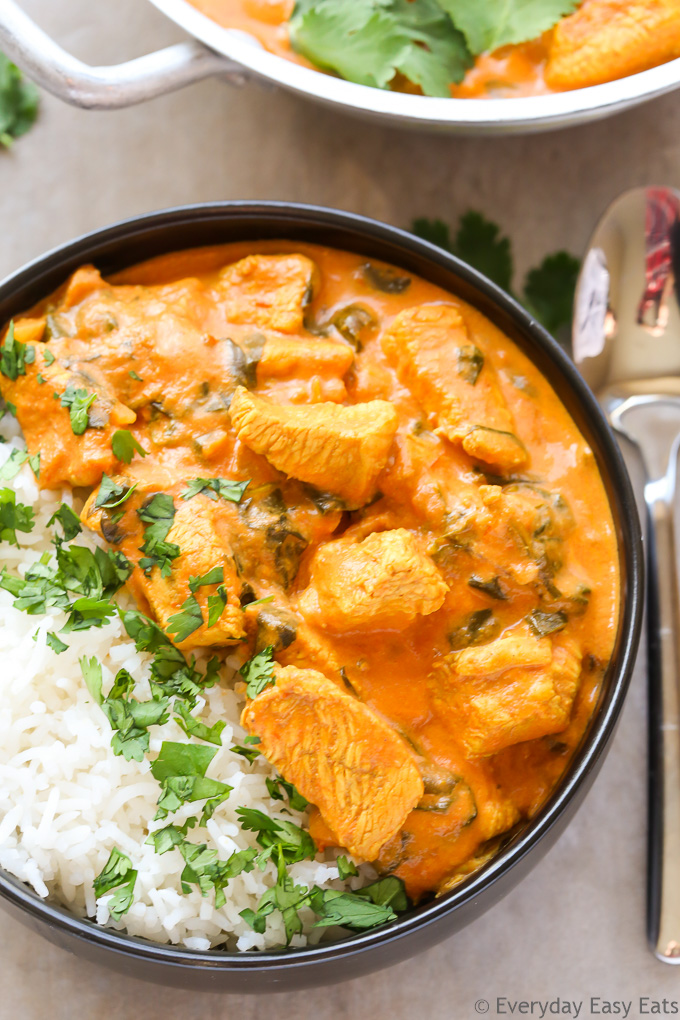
(501, 115)
(118, 237)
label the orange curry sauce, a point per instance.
(425, 479)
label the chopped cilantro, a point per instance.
(278, 836)
(55, 643)
(180, 769)
(19, 99)
(78, 401)
(14, 356)
(182, 624)
(119, 874)
(13, 464)
(48, 356)
(216, 488)
(258, 672)
(213, 576)
(171, 674)
(13, 517)
(204, 869)
(111, 495)
(41, 379)
(216, 605)
(346, 867)
(68, 519)
(124, 446)
(193, 727)
(133, 375)
(370, 41)
(34, 464)
(158, 514)
(278, 786)
(249, 753)
(92, 675)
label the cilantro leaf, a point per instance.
(111, 494)
(13, 517)
(488, 24)
(216, 488)
(13, 464)
(92, 675)
(158, 514)
(346, 867)
(133, 375)
(124, 446)
(14, 356)
(55, 643)
(277, 836)
(171, 674)
(180, 769)
(348, 909)
(78, 401)
(277, 786)
(213, 576)
(68, 519)
(434, 231)
(19, 99)
(204, 869)
(480, 243)
(193, 727)
(119, 874)
(369, 41)
(48, 356)
(171, 835)
(549, 290)
(249, 753)
(34, 464)
(182, 624)
(258, 672)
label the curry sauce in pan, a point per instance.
(395, 499)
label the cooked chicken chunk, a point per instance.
(284, 356)
(338, 449)
(196, 530)
(341, 756)
(608, 39)
(514, 689)
(268, 291)
(384, 581)
(47, 398)
(451, 379)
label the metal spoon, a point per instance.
(626, 343)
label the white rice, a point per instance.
(66, 800)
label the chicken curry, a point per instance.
(538, 51)
(301, 450)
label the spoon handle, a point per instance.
(664, 728)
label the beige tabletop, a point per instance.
(574, 929)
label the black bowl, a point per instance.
(143, 237)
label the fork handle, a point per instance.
(664, 726)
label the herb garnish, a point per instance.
(78, 401)
(69, 521)
(13, 517)
(111, 494)
(180, 769)
(189, 618)
(216, 488)
(119, 874)
(258, 672)
(158, 514)
(124, 446)
(14, 356)
(13, 464)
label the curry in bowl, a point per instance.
(461, 49)
(351, 585)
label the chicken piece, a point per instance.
(336, 448)
(449, 376)
(267, 291)
(283, 357)
(608, 39)
(384, 581)
(196, 529)
(85, 281)
(513, 689)
(79, 457)
(341, 756)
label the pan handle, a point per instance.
(112, 87)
